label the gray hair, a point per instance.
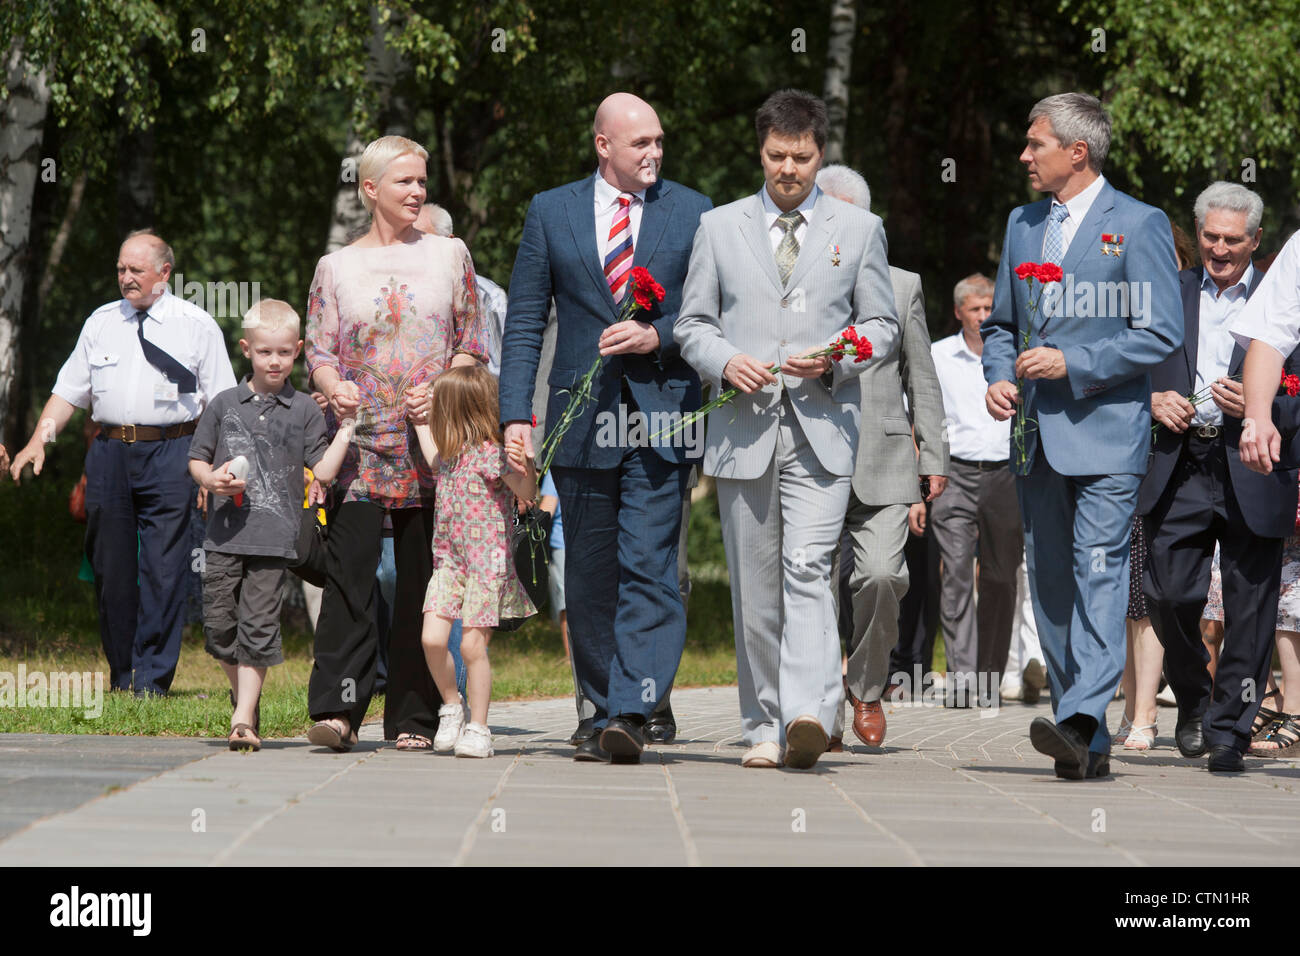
(1074, 117)
(439, 219)
(976, 284)
(1233, 197)
(162, 252)
(844, 183)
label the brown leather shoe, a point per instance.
(836, 746)
(869, 722)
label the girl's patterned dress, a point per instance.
(473, 569)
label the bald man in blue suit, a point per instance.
(1087, 398)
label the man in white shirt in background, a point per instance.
(146, 366)
(978, 510)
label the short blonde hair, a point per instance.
(377, 158)
(272, 315)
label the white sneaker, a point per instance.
(475, 741)
(1166, 697)
(451, 721)
(1012, 691)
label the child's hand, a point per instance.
(417, 404)
(315, 494)
(515, 452)
(222, 482)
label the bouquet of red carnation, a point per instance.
(849, 342)
(1044, 272)
(641, 293)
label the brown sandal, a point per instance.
(243, 737)
(326, 733)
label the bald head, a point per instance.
(144, 264)
(629, 142)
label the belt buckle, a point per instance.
(1207, 431)
(131, 440)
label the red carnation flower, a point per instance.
(534, 421)
(1026, 270)
(1049, 272)
(1292, 384)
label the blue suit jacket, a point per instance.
(1096, 420)
(558, 257)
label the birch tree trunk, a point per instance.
(22, 121)
(839, 64)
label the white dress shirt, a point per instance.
(492, 304)
(1078, 208)
(770, 213)
(1273, 313)
(108, 373)
(973, 433)
(1213, 341)
(606, 205)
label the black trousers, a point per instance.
(918, 612)
(347, 639)
(1198, 508)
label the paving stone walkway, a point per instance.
(949, 787)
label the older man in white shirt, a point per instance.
(979, 509)
(146, 366)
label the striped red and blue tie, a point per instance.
(618, 249)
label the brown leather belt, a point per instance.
(129, 434)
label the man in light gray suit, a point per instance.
(780, 275)
(896, 455)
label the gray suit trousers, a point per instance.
(781, 531)
(977, 506)
(878, 584)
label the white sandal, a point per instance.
(1121, 735)
(1139, 739)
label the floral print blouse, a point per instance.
(388, 318)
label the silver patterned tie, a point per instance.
(1054, 241)
(787, 253)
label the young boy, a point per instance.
(253, 528)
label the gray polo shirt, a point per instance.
(278, 434)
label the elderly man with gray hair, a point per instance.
(1197, 492)
(492, 301)
(902, 461)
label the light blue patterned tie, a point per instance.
(1054, 241)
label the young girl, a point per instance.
(473, 569)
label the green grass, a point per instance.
(48, 623)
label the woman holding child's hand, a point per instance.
(386, 316)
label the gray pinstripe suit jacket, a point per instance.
(734, 302)
(888, 465)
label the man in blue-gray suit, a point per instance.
(620, 491)
(1087, 400)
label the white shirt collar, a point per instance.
(965, 350)
(1207, 283)
(805, 208)
(1080, 204)
(607, 194)
(161, 307)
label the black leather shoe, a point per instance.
(1062, 743)
(590, 751)
(661, 728)
(623, 738)
(1225, 758)
(586, 730)
(1189, 736)
(1098, 765)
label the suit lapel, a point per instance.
(1087, 238)
(582, 221)
(755, 233)
(1192, 324)
(814, 241)
(655, 214)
